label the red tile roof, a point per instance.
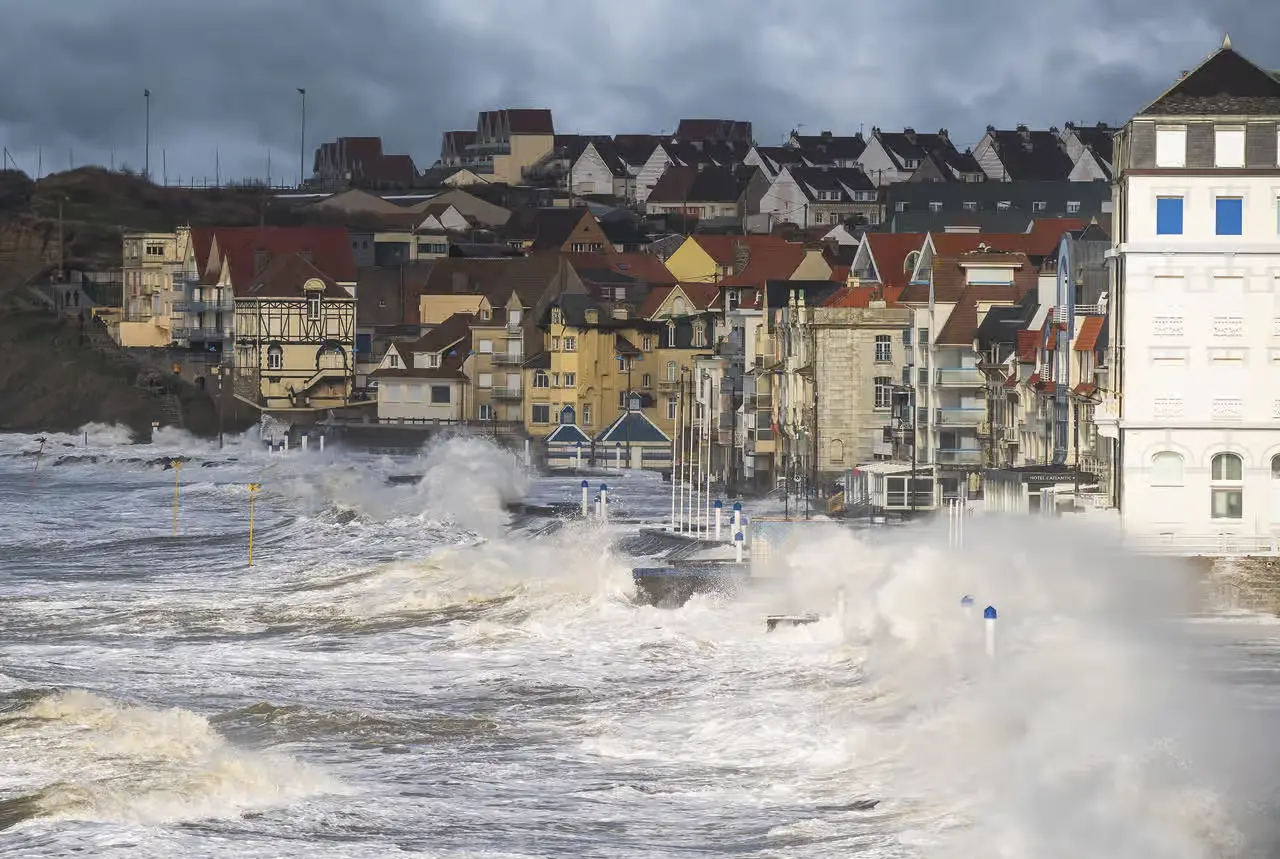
(653, 301)
(861, 296)
(1028, 344)
(768, 257)
(962, 325)
(890, 250)
(643, 267)
(1087, 339)
(703, 296)
(284, 277)
(1084, 389)
(840, 273)
(329, 249)
(1045, 233)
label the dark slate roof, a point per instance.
(1100, 138)
(1225, 84)
(547, 228)
(633, 427)
(541, 361)
(840, 180)
(778, 292)
(915, 221)
(1002, 324)
(988, 195)
(693, 185)
(909, 144)
(568, 434)
(827, 148)
(735, 130)
(623, 231)
(1030, 156)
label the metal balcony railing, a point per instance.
(958, 456)
(207, 305)
(184, 332)
(504, 393)
(507, 358)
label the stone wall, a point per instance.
(1249, 583)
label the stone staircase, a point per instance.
(169, 410)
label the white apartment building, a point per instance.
(1196, 345)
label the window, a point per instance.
(485, 412)
(935, 206)
(1168, 216)
(672, 371)
(439, 395)
(557, 318)
(646, 380)
(923, 337)
(485, 347)
(586, 414)
(817, 217)
(1166, 469)
(1073, 207)
(646, 343)
(1004, 206)
(155, 250)
(540, 413)
(671, 334)
(571, 344)
(699, 335)
(1039, 206)
(906, 336)
(884, 392)
(1228, 146)
(393, 358)
(970, 205)
(672, 405)
(540, 379)
(555, 380)
(313, 306)
(1171, 146)
(884, 348)
(1226, 487)
(900, 207)
(432, 360)
(275, 358)
(1230, 216)
(486, 313)
(571, 380)
(909, 264)
(485, 380)
(555, 344)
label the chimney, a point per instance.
(944, 136)
(260, 259)
(910, 134)
(741, 256)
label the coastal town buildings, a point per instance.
(153, 263)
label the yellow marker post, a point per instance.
(253, 493)
(177, 466)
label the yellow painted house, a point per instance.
(294, 339)
(593, 356)
(751, 258)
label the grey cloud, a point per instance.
(223, 76)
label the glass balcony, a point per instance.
(507, 358)
(505, 393)
(960, 377)
(205, 305)
(958, 456)
(965, 417)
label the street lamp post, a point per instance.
(302, 138)
(146, 158)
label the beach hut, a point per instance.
(634, 440)
(565, 442)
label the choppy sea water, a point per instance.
(402, 674)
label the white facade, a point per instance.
(651, 172)
(590, 175)
(879, 166)
(1201, 371)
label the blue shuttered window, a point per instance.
(1168, 216)
(1230, 216)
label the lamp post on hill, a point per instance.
(302, 138)
(146, 158)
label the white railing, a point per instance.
(1218, 545)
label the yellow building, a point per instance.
(294, 339)
(507, 142)
(153, 280)
(746, 259)
(592, 356)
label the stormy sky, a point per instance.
(224, 75)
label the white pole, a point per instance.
(528, 455)
(578, 454)
(687, 498)
(675, 436)
(704, 509)
(604, 502)
(737, 547)
(841, 606)
(304, 442)
(286, 443)
(322, 444)
(697, 485)
(585, 500)
(989, 618)
(962, 510)
(966, 604)
(719, 511)
(599, 512)
(735, 522)
(617, 449)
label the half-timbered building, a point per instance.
(294, 338)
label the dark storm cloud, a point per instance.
(223, 76)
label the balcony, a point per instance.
(513, 327)
(507, 358)
(960, 377)
(668, 384)
(958, 456)
(506, 393)
(205, 333)
(960, 417)
(763, 402)
(208, 305)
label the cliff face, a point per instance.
(58, 374)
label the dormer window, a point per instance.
(433, 360)
(699, 334)
(557, 318)
(486, 313)
(313, 306)
(671, 334)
